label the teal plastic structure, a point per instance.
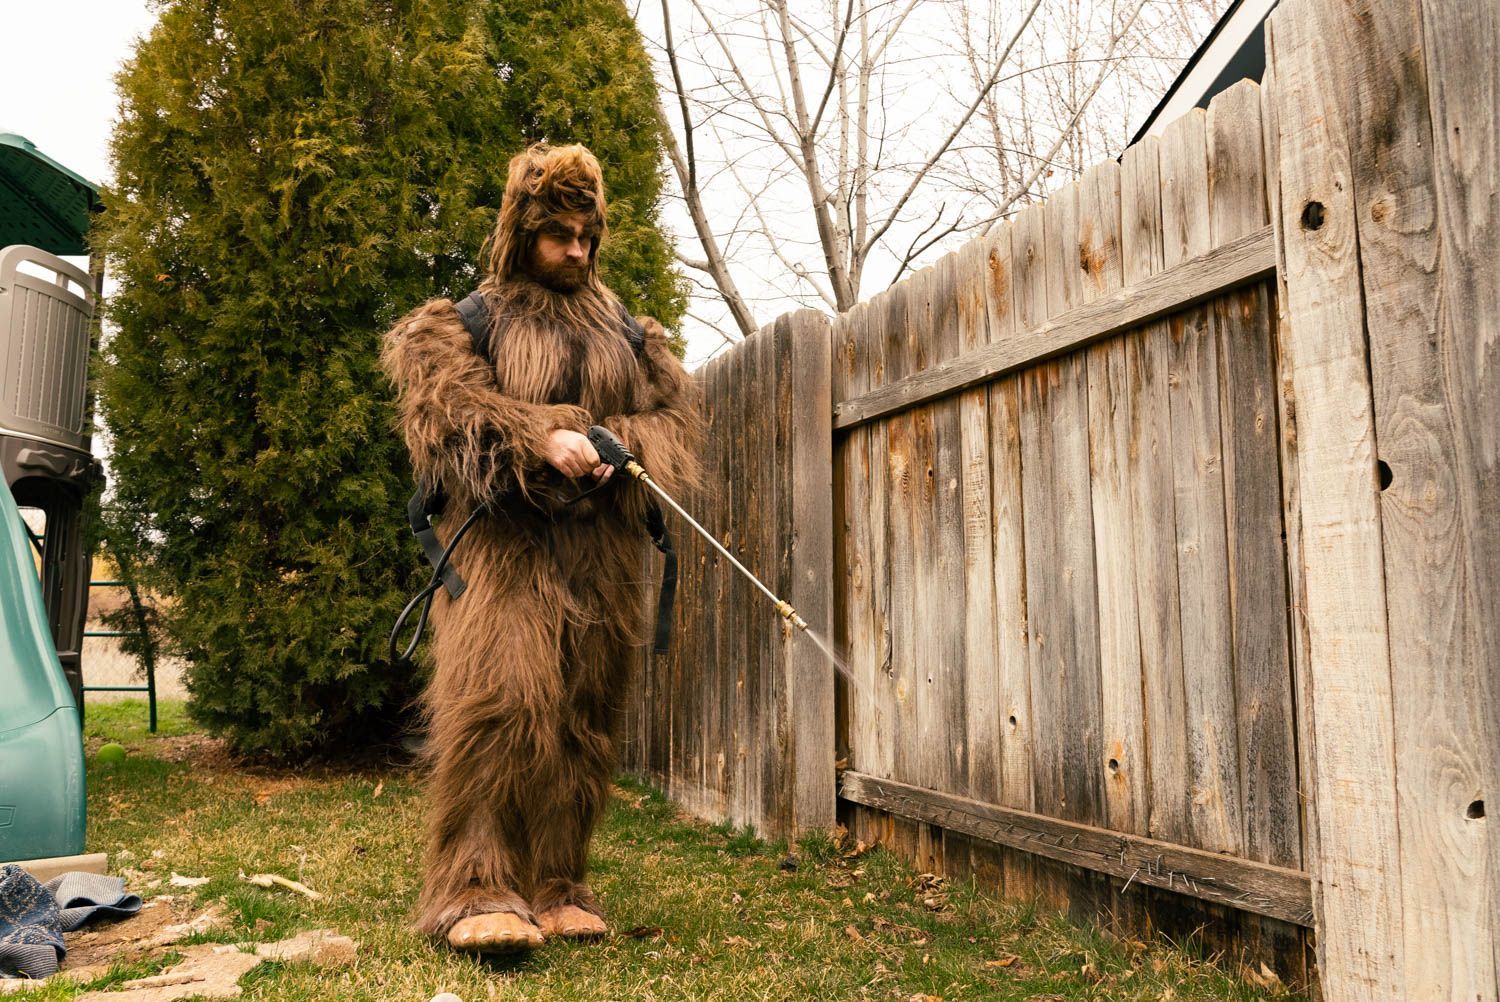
(41, 744)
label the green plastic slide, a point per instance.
(41, 745)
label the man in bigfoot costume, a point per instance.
(530, 662)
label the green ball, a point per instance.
(110, 754)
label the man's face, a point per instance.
(560, 252)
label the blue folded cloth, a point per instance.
(86, 896)
(33, 916)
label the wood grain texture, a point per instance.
(1214, 807)
(949, 688)
(1255, 549)
(1461, 45)
(875, 750)
(1038, 546)
(1291, 506)
(851, 367)
(1358, 869)
(1244, 261)
(719, 661)
(982, 691)
(757, 409)
(1111, 416)
(809, 674)
(925, 344)
(1153, 507)
(1256, 553)
(1274, 891)
(1061, 588)
(904, 314)
(778, 760)
(1008, 534)
(726, 618)
(1433, 581)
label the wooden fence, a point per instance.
(1158, 528)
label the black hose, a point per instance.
(426, 595)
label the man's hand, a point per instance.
(573, 455)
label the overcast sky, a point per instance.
(58, 60)
(57, 65)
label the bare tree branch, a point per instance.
(687, 176)
(953, 133)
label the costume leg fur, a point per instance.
(523, 712)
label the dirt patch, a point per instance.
(162, 921)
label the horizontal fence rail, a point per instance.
(1249, 259)
(1273, 891)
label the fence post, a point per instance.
(804, 359)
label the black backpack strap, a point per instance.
(474, 310)
(419, 512)
(656, 526)
(476, 317)
(634, 332)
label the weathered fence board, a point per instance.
(1461, 46)
(1153, 517)
(1430, 574)
(808, 426)
(1360, 863)
(1255, 551)
(1256, 554)
(1013, 706)
(1110, 414)
(1137, 625)
(1202, 567)
(982, 672)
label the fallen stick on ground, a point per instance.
(274, 879)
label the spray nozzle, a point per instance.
(610, 449)
(790, 615)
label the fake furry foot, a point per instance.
(571, 922)
(497, 932)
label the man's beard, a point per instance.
(560, 278)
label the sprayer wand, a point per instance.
(612, 451)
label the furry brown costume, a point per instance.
(530, 662)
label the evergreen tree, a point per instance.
(292, 176)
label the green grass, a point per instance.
(706, 911)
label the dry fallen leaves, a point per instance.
(1264, 978)
(1002, 962)
(642, 932)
